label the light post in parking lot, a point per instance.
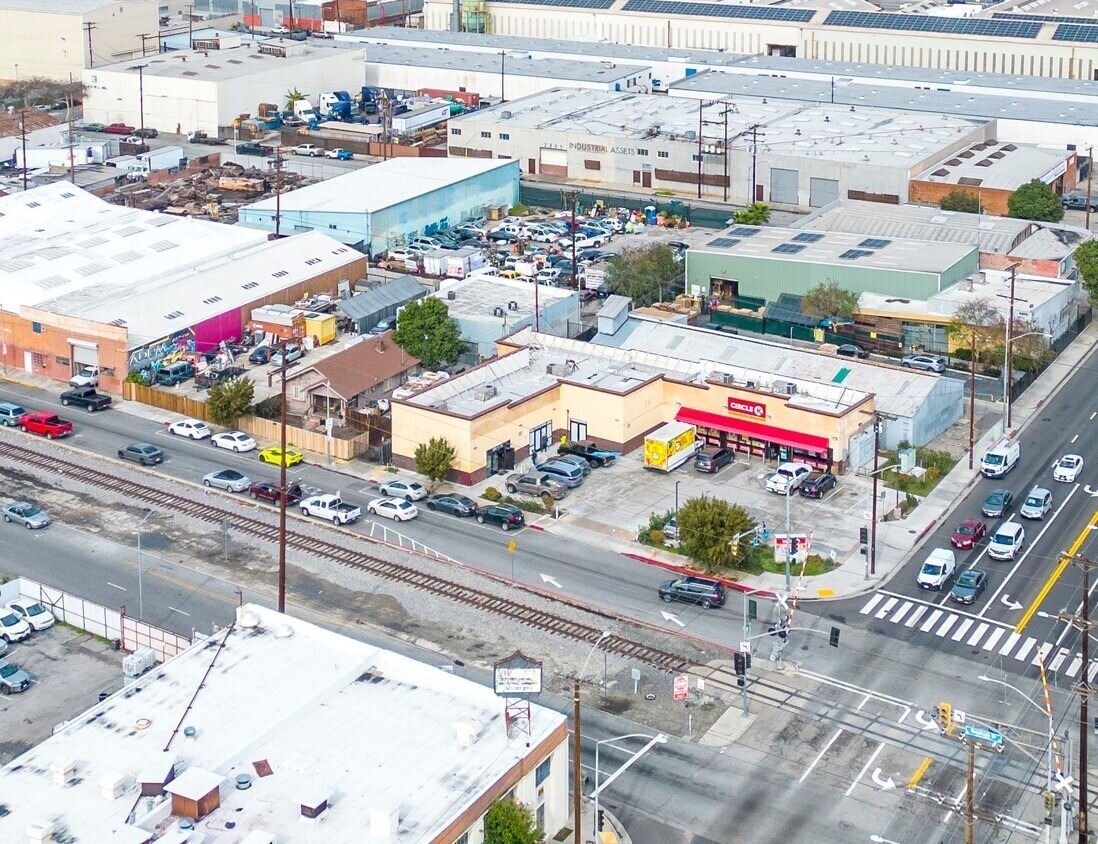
(140, 589)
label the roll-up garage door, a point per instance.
(783, 186)
(84, 353)
(553, 162)
(822, 192)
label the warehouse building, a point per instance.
(792, 155)
(368, 309)
(87, 283)
(209, 88)
(1015, 42)
(208, 745)
(748, 266)
(503, 76)
(60, 38)
(385, 205)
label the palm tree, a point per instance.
(292, 97)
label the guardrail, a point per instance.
(396, 539)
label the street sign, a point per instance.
(745, 647)
(682, 687)
(986, 736)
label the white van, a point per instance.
(1000, 459)
(1007, 541)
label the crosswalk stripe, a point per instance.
(1076, 664)
(898, 616)
(1027, 645)
(1042, 654)
(975, 637)
(946, 625)
(1058, 660)
(1091, 671)
(1011, 641)
(959, 633)
(913, 619)
(889, 604)
(868, 608)
(930, 622)
(996, 635)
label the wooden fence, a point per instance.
(173, 402)
(315, 441)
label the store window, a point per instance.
(455, 131)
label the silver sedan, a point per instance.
(229, 479)
(25, 513)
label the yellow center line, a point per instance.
(1059, 570)
(920, 772)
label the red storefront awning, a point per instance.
(755, 430)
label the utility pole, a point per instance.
(89, 26)
(143, 36)
(568, 199)
(873, 504)
(1009, 374)
(577, 777)
(502, 75)
(282, 492)
(754, 163)
(278, 193)
(190, 26)
(972, 403)
(68, 116)
(1090, 169)
(970, 786)
(1082, 623)
(141, 94)
(23, 135)
(724, 149)
(701, 107)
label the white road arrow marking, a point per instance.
(547, 579)
(670, 616)
(925, 722)
(1093, 493)
(1014, 605)
(884, 785)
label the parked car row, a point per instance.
(19, 620)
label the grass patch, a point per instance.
(815, 565)
(936, 463)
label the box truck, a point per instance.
(669, 446)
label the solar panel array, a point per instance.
(574, 4)
(874, 243)
(1044, 18)
(926, 23)
(723, 242)
(717, 10)
(788, 248)
(851, 254)
(742, 232)
(1075, 32)
(807, 237)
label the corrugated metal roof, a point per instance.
(396, 292)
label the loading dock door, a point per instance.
(553, 162)
(822, 192)
(83, 354)
(783, 186)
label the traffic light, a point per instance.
(1050, 801)
(834, 640)
(735, 543)
(747, 660)
(601, 821)
(752, 609)
(945, 717)
(793, 546)
(863, 535)
(739, 663)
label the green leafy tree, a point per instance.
(960, 200)
(1086, 257)
(508, 822)
(755, 214)
(1035, 201)
(426, 331)
(978, 325)
(229, 400)
(435, 459)
(707, 527)
(645, 273)
(828, 300)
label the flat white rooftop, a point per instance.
(478, 296)
(309, 715)
(996, 165)
(383, 185)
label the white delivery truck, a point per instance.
(156, 159)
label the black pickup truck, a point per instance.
(204, 380)
(87, 398)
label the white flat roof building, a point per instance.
(333, 740)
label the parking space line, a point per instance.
(920, 772)
(959, 633)
(975, 637)
(1011, 641)
(868, 608)
(889, 604)
(995, 636)
(1026, 646)
(915, 616)
(946, 625)
(865, 768)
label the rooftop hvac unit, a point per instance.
(497, 311)
(722, 377)
(512, 305)
(751, 385)
(484, 392)
(558, 369)
(137, 663)
(786, 387)
(505, 115)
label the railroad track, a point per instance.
(352, 558)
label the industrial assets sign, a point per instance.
(747, 408)
(517, 676)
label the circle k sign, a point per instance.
(747, 408)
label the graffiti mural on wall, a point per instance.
(163, 352)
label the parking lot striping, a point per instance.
(959, 633)
(920, 772)
(1059, 570)
(1029, 613)
(975, 637)
(116, 586)
(173, 609)
(865, 768)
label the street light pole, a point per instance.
(141, 93)
(659, 738)
(140, 588)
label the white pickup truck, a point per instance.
(330, 507)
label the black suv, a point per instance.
(590, 452)
(507, 516)
(713, 459)
(694, 590)
(818, 484)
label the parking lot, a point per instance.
(68, 670)
(621, 498)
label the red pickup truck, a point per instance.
(49, 425)
(118, 129)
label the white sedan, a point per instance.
(233, 441)
(193, 428)
(393, 508)
(32, 612)
(408, 490)
(1067, 468)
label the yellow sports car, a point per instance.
(274, 455)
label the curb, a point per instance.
(731, 584)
